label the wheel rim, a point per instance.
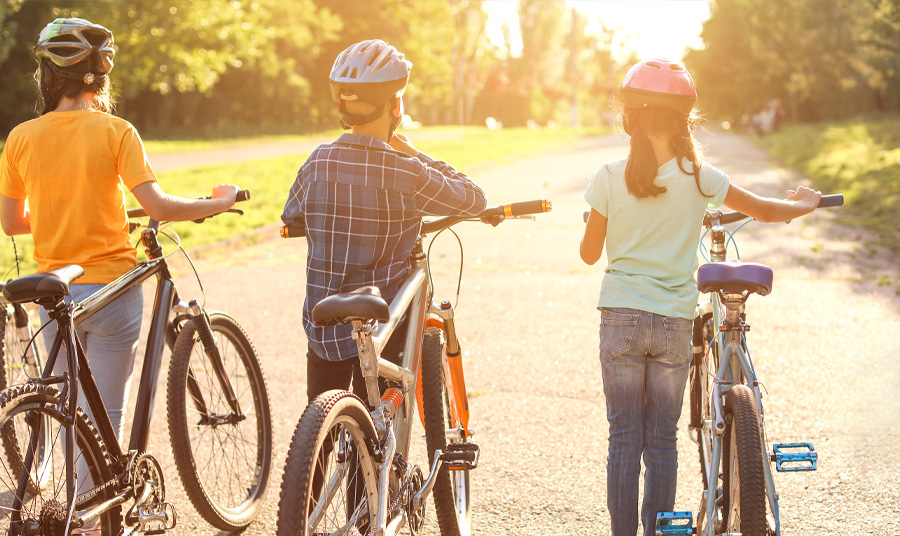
(229, 457)
(343, 492)
(459, 478)
(49, 471)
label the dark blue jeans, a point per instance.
(645, 359)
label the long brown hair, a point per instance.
(642, 167)
(53, 86)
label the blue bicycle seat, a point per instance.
(735, 276)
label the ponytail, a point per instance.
(642, 167)
(54, 83)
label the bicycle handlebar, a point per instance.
(492, 215)
(827, 201)
(242, 195)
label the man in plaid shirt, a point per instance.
(361, 199)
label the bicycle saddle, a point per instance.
(51, 285)
(735, 276)
(363, 304)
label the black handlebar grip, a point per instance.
(292, 231)
(243, 195)
(836, 200)
(537, 206)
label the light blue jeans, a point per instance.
(645, 359)
(110, 340)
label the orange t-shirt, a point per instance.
(72, 167)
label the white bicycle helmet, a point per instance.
(371, 71)
(77, 47)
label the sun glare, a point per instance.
(650, 28)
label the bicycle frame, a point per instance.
(735, 367)
(412, 301)
(165, 302)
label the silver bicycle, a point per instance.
(348, 471)
(727, 417)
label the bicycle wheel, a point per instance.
(224, 459)
(42, 510)
(701, 389)
(744, 505)
(451, 491)
(16, 330)
(330, 483)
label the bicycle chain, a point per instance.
(396, 502)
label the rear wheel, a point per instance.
(31, 410)
(330, 483)
(701, 382)
(452, 502)
(744, 505)
(224, 458)
(18, 367)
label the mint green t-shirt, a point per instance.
(651, 243)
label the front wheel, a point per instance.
(452, 502)
(224, 457)
(744, 481)
(330, 483)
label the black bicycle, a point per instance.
(68, 471)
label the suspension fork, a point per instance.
(200, 321)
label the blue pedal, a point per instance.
(790, 457)
(674, 524)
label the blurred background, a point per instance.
(196, 67)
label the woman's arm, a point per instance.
(165, 207)
(15, 218)
(594, 237)
(801, 201)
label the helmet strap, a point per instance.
(86, 78)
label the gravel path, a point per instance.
(824, 343)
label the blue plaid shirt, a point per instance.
(362, 204)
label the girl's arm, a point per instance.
(165, 207)
(594, 237)
(15, 218)
(801, 201)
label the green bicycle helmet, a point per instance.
(77, 48)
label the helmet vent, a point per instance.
(676, 67)
(384, 62)
(654, 65)
(353, 74)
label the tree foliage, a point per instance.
(823, 60)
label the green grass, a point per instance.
(270, 179)
(860, 159)
(156, 146)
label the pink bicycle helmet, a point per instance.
(659, 83)
(77, 47)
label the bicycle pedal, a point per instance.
(791, 457)
(156, 518)
(461, 456)
(674, 524)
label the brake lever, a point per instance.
(494, 220)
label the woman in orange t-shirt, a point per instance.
(63, 178)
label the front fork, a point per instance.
(195, 314)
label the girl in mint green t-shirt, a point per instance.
(648, 209)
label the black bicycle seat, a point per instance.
(363, 304)
(735, 277)
(52, 285)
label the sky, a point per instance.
(652, 28)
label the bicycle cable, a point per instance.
(164, 230)
(461, 257)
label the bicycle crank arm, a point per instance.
(427, 486)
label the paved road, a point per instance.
(824, 343)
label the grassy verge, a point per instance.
(270, 179)
(860, 159)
